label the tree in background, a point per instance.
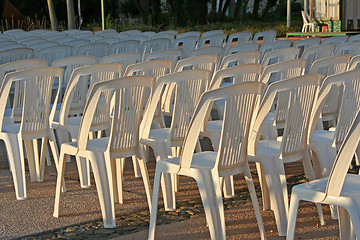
(52, 15)
(70, 14)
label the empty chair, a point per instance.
(307, 23)
(103, 153)
(124, 59)
(131, 32)
(208, 168)
(98, 50)
(315, 53)
(239, 38)
(140, 38)
(169, 31)
(155, 68)
(280, 55)
(154, 45)
(241, 48)
(208, 62)
(38, 46)
(35, 41)
(71, 32)
(63, 39)
(94, 38)
(83, 35)
(125, 46)
(164, 35)
(29, 38)
(56, 37)
(275, 45)
(217, 40)
(189, 34)
(173, 55)
(271, 155)
(4, 47)
(16, 55)
(53, 53)
(336, 40)
(106, 32)
(240, 58)
(306, 43)
(212, 50)
(186, 44)
(339, 189)
(148, 34)
(76, 44)
(109, 40)
(351, 48)
(36, 118)
(13, 32)
(266, 36)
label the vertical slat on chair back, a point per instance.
(16, 54)
(155, 68)
(125, 46)
(301, 102)
(207, 62)
(238, 118)
(315, 53)
(187, 95)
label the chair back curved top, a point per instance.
(155, 68)
(173, 55)
(239, 38)
(280, 55)
(124, 46)
(53, 53)
(189, 34)
(208, 62)
(315, 53)
(154, 45)
(351, 48)
(212, 40)
(186, 44)
(96, 49)
(240, 58)
(125, 59)
(336, 40)
(16, 54)
(354, 38)
(267, 36)
(212, 50)
(275, 45)
(354, 63)
(306, 43)
(242, 48)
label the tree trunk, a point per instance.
(244, 9)
(256, 10)
(226, 5)
(155, 4)
(213, 11)
(52, 15)
(237, 8)
(70, 14)
(269, 5)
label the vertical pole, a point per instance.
(102, 15)
(306, 6)
(288, 13)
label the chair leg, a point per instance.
(104, 185)
(263, 186)
(43, 152)
(146, 180)
(294, 205)
(154, 206)
(210, 193)
(31, 159)
(354, 224)
(118, 181)
(84, 171)
(54, 147)
(228, 188)
(255, 203)
(17, 164)
(59, 182)
(136, 167)
(344, 223)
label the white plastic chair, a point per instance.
(189, 34)
(280, 55)
(306, 43)
(170, 36)
(109, 40)
(38, 46)
(354, 63)
(336, 40)
(354, 38)
(16, 55)
(266, 36)
(154, 45)
(212, 32)
(315, 53)
(72, 107)
(76, 44)
(340, 189)
(351, 48)
(241, 48)
(10, 46)
(186, 44)
(51, 54)
(212, 50)
(275, 45)
(240, 58)
(270, 155)
(207, 168)
(238, 39)
(173, 55)
(95, 49)
(125, 46)
(122, 142)
(212, 40)
(307, 23)
(36, 119)
(106, 32)
(208, 62)
(131, 32)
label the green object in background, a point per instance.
(327, 26)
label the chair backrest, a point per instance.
(304, 17)
(186, 44)
(242, 101)
(170, 36)
(109, 40)
(354, 38)
(302, 95)
(280, 55)
(62, 39)
(129, 100)
(82, 79)
(125, 59)
(212, 40)
(51, 54)
(212, 32)
(343, 160)
(155, 68)
(16, 55)
(267, 36)
(36, 97)
(125, 46)
(336, 40)
(212, 50)
(38, 46)
(306, 43)
(76, 44)
(208, 62)
(351, 48)
(275, 45)
(173, 55)
(106, 32)
(154, 45)
(35, 41)
(242, 48)
(96, 49)
(83, 35)
(240, 58)
(239, 38)
(331, 65)
(189, 34)
(131, 32)
(316, 53)
(189, 85)
(350, 102)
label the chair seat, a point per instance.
(162, 134)
(11, 128)
(93, 145)
(323, 136)
(269, 147)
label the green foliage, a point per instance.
(279, 12)
(129, 8)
